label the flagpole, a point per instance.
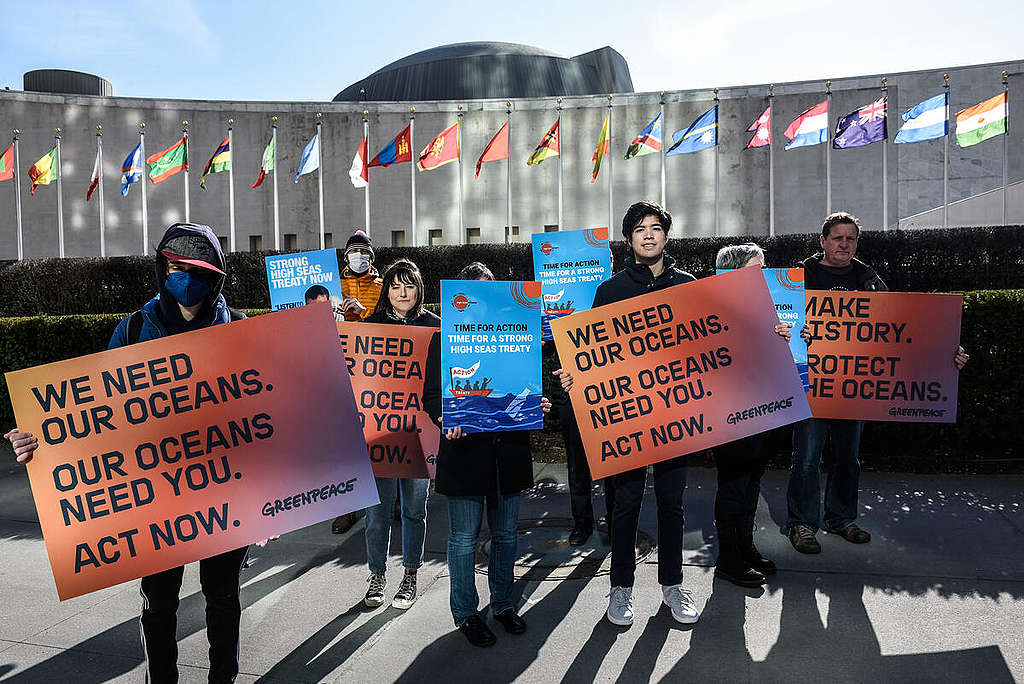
(17, 193)
(508, 168)
(319, 172)
(945, 159)
(661, 116)
(366, 189)
(717, 112)
(828, 148)
(60, 200)
(99, 158)
(184, 136)
(145, 212)
(771, 164)
(231, 183)
(412, 169)
(277, 216)
(559, 122)
(1006, 141)
(611, 169)
(885, 156)
(458, 137)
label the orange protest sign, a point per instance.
(883, 355)
(678, 370)
(165, 452)
(386, 364)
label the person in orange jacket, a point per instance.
(360, 282)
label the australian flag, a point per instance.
(862, 127)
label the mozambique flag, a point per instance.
(266, 165)
(174, 159)
(44, 170)
(548, 146)
(603, 147)
(220, 161)
(7, 164)
(441, 150)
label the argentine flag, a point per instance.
(310, 158)
(926, 121)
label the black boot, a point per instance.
(731, 566)
(749, 552)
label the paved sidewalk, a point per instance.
(938, 595)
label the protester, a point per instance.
(400, 303)
(480, 472)
(190, 273)
(834, 268)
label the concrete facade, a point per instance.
(914, 179)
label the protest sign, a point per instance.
(297, 278)
(883, 355)
(570, 265)
(180, 448)
(786, 287)
(386, 364)
(490, 355)
(678, 370)
(430, 442)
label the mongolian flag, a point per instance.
(7, 164)
(395, 152)
(44, 171)
(266, 165)
(174, 159)
(441, 150)
(220, 161)
(648, 142)
(603, 147)
(548, 146)
(496, 149)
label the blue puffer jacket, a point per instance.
(153, 328)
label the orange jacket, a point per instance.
(365, 288)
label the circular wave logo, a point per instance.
(460, 301)
(547, 247)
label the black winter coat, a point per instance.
(817, 278)
(637, 279)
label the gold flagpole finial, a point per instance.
(142, 126)
(319, 115)
(771, 89)
(273, 119)
(99, 127)
(412, 110)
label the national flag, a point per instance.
(359, 173)
(603, 148)
(131, 169)
(810, 128)
(496, 149)
(548, 147)
(863, 126)
(174, 159)
(441, 150)
(44, 170)
(982, 121)
(220, 161)
(702, 134)
(396, 151)
(762, 130)
(310, 160)
(266, 165)
(648, 142)
(925, 121)
(7, 164)
(94, 180)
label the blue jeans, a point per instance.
(414, 522)
(803, 498)
(464, 515)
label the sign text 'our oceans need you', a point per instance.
(678, 370)
(161, 453)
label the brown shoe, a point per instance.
(802, 539)
(853, 533)
(343, 523)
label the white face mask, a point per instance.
(359, 262)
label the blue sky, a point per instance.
(310, 50)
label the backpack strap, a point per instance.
(134, 327)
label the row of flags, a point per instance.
(868, 124)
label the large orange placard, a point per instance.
(678, 370)
(168, 451)
(883, 355)
(386, 364)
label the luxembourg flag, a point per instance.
(926, 121)
(810, 128)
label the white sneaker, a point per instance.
(681, 602)
(620, 606)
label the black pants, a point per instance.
(669, 483)
(218, 577)
(580, 482)
(740, 466)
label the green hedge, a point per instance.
(985, 436)
(930, 260)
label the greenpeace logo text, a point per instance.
(272, 508)
(917, 412)
(759, 410)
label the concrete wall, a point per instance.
(915, 171)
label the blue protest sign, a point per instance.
(569, 265)
(299, 278)
(490, 355)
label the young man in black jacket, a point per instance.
(645, 229)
